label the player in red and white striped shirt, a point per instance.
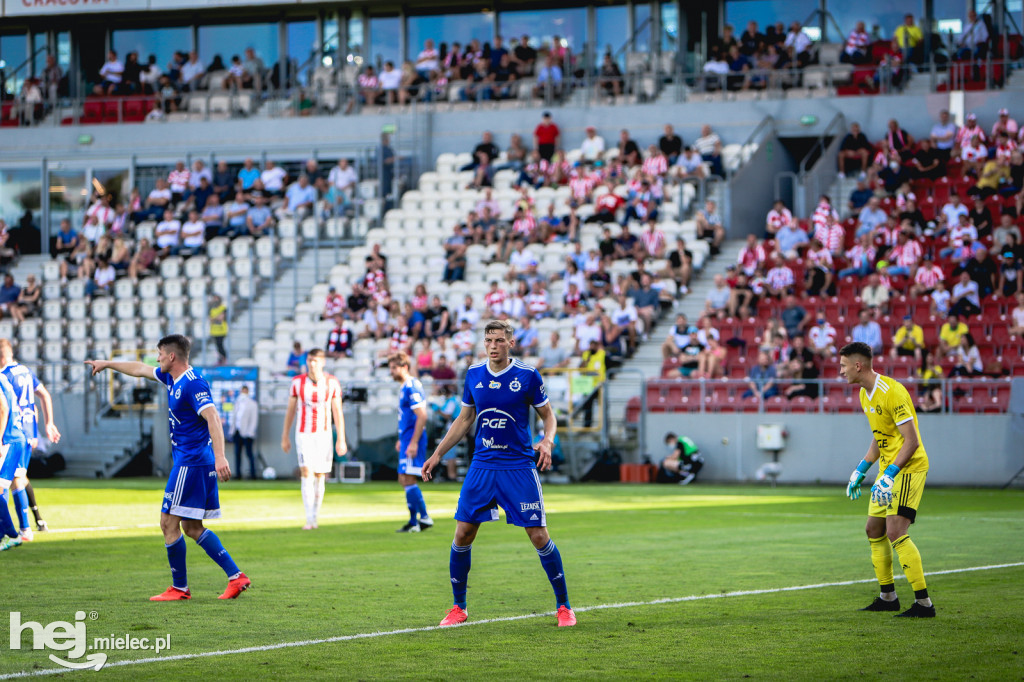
(927, 278)
(317, 398)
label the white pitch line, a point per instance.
(431, 628)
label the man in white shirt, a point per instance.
(592, 148)
(245, 419)
(192, 72)
(193, 233)
(974, 39)
(800, 42)
(952, 211)
(390, 80)
(341, 181)
(965, 300)
(822, 338)
(520, 260)
(199, 171)
(943, 135)
(273, 177)
(111, 72)
(428, 60)
(709, 146)
(299, 200)
(588, 328)
(467, 313)
(101, 210)
(102, 277)
(464, 340)
(166, 235)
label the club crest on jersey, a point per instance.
(494, 384)
(177, 394)
(515, 385)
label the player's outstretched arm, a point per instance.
(543, 447)
(458, 430)
(213, 423)
(129, 367)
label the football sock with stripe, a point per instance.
(419, 504)
(458, 568)
(32, 502)
(410, 501)
(319, 487)
(881, 559)
(308, 493)
(6, 522)
(176, 558)
(21, 507)
(913, 568)
(551, 560)
(211, 543)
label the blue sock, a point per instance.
(419, 504)
(21, 507)
(410, 501)
(458, 568)
(176, 558)
(6, 522)
(551, 560)
(211, 543)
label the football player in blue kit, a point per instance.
(12, 444)
(26, 389)
(412, 441)
(496, 398)
(197, 446)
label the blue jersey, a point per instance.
(410, 398)
(186, 399)
(25, 385)
(13, 432)
(503, 403)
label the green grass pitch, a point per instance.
(620, 544)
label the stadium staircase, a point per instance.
(122, 440)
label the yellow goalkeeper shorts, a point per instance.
(907, 489)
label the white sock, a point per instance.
(321, 486)
(308, 497)
(887, 596)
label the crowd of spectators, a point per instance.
(934, 250)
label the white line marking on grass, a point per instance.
(505, 619)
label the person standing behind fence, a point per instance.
(244, 426)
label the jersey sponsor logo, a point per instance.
(495, 423)
(494, 409)
(514, 386)
(494, 384)
(416, 398)
(528, 506)
(899, 411)
(491, 445)
(202, 395)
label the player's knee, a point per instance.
(193, 529)
(538, 536)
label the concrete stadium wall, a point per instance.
(984, 450)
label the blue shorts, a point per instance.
(15, 462)
(191, 492)
(412, 466)
(517, 491)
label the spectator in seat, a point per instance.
(689, 166)
(709, 146)
(709, 226)
(235, 78)
(950, 333)
(855, 151)
(742, 299)
(629, 151)
(861, 258)
(341, 186)
(467, 312)
(1011, 267)
(144, 260)
(974, 155)
(670, 144)
(527, 340)
(235, 217)
(710, 360)
(1007, 228)
(904, 256)
(967, 358)
(213, 217)
(860, 196)
(248, 174)
(798, 45)
(926, 163)
(909, 40)
(820, 271)
(875, 295)
(192, 73)
(442, 370)
(1017, 316)
(677, 337)
(777, 217)
(793, 316)
(926, 278)
(553, 355)
(9, 294)
(943, 135)
(762, 379)
(259, 220)
(646, 300)
(973, 42)
(950, 214)
(908, 340)
(983, 270)
(339, 340)
(111, 74)
(273, 178)
(464, 340)
(167, 234)
(868, 331)
(965, 299)
(779, 281)
(300, 200)
(857, 48)
(930, 388)
(718, 298)
(788, 239)
(549, 79)
(102, 277)
(592, 148)
(822, 338)
(334, 304)
(192, 239)
(609, 77)
(428, 61)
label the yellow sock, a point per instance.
(881, 558)
(910, 560)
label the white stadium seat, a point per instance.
(194, 267)
(217, 247)
(53, 351)
(149, 288)
(78, 330)
(77, 351)
(53, 330)
(77, 309)
(149, 309)
(124, 288)
(174, 287)
(124, 309)
(100, 309)
(170, 267)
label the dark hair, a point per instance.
(177, 344)
(856, 348)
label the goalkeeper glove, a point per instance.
(881, 491)
(856, 478)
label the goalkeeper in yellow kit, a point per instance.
(896, 494)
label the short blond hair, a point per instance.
(502, 326)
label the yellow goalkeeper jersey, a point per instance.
(887, 406)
